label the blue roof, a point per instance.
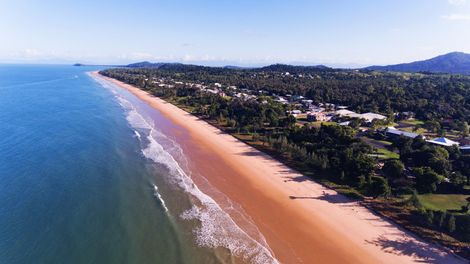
(443, 141)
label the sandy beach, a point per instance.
(317, 226)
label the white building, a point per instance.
(442, 141)
(348, 113)
(391, 131)
(369, 117)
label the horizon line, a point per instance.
(219, 64)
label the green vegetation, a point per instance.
(412, 122)
(393, 169)
(387, 154)
(386, 143)
(358, 164)
(443, 202)
(320, 123)
(436, 97)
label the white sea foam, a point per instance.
(137, 134)
(160, 198)
(216, 228)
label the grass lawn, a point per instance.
(386, 143)
(443, 202)
(385, 154)
(412, 122)
(319, 123)
(388, 154)
(418, 131)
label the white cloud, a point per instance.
(457, 17)
(457, 2)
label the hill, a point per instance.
(293, 68)
(146, 64)
(191, 67)
(455, 62)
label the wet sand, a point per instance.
(302, 221)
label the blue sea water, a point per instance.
(88, 174)
(74, 186)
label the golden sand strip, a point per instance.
(319, 226)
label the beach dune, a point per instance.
(302, 221)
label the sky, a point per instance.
(341, 33)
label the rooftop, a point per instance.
(395, 131)
(443, 142)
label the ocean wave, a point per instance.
(137, 134)
(217, 228)
(160, 198)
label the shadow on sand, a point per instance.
(331, 198)
(413, 249)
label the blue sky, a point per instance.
(243, 32)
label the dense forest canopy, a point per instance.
(430, 96)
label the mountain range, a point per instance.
(454, 62)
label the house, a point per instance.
(295, 98)
(394, 133)
(369, 117)
(213, 91)
(314, 108)
(328, 106)
(442, 141)
(281, 100)
(317, 116)
(407, 115)
(347, 113)
(465, 149)
(294, 112)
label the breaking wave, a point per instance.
(217, 228)
(160, 198)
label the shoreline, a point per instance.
(319, 226)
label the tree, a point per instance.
(463, 227)
(441, 219)
(379, 187)
(426, 179)
(414, 201)
(393, 169)
(464, 130)
(289, 121)
(429, 217)
(355, 123)
(457, 179)
(432, 126)
(451, 224)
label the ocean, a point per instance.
(88, 176)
